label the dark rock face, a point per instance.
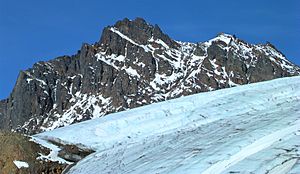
(133, 64)
(4, 121)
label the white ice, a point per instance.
(21, 164)
(248, 129)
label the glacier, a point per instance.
(252, 128)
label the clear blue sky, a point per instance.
(35, 30)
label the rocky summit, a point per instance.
(133, 64)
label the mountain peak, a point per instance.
(223, 37)
(137, 30)
(222, 34)
(272, 46)
(137, 22)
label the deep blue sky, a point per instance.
(35, 30)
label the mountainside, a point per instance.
(248, 129)
(133, 64)
(20, 155)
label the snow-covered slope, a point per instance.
(250, 128)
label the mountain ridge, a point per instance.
(133, 64)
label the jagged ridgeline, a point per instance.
(133, 64)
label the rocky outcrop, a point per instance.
(16, 147)
(133, 64)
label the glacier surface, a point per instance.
(251, 128)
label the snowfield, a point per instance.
(21, 164)
(253, 128)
